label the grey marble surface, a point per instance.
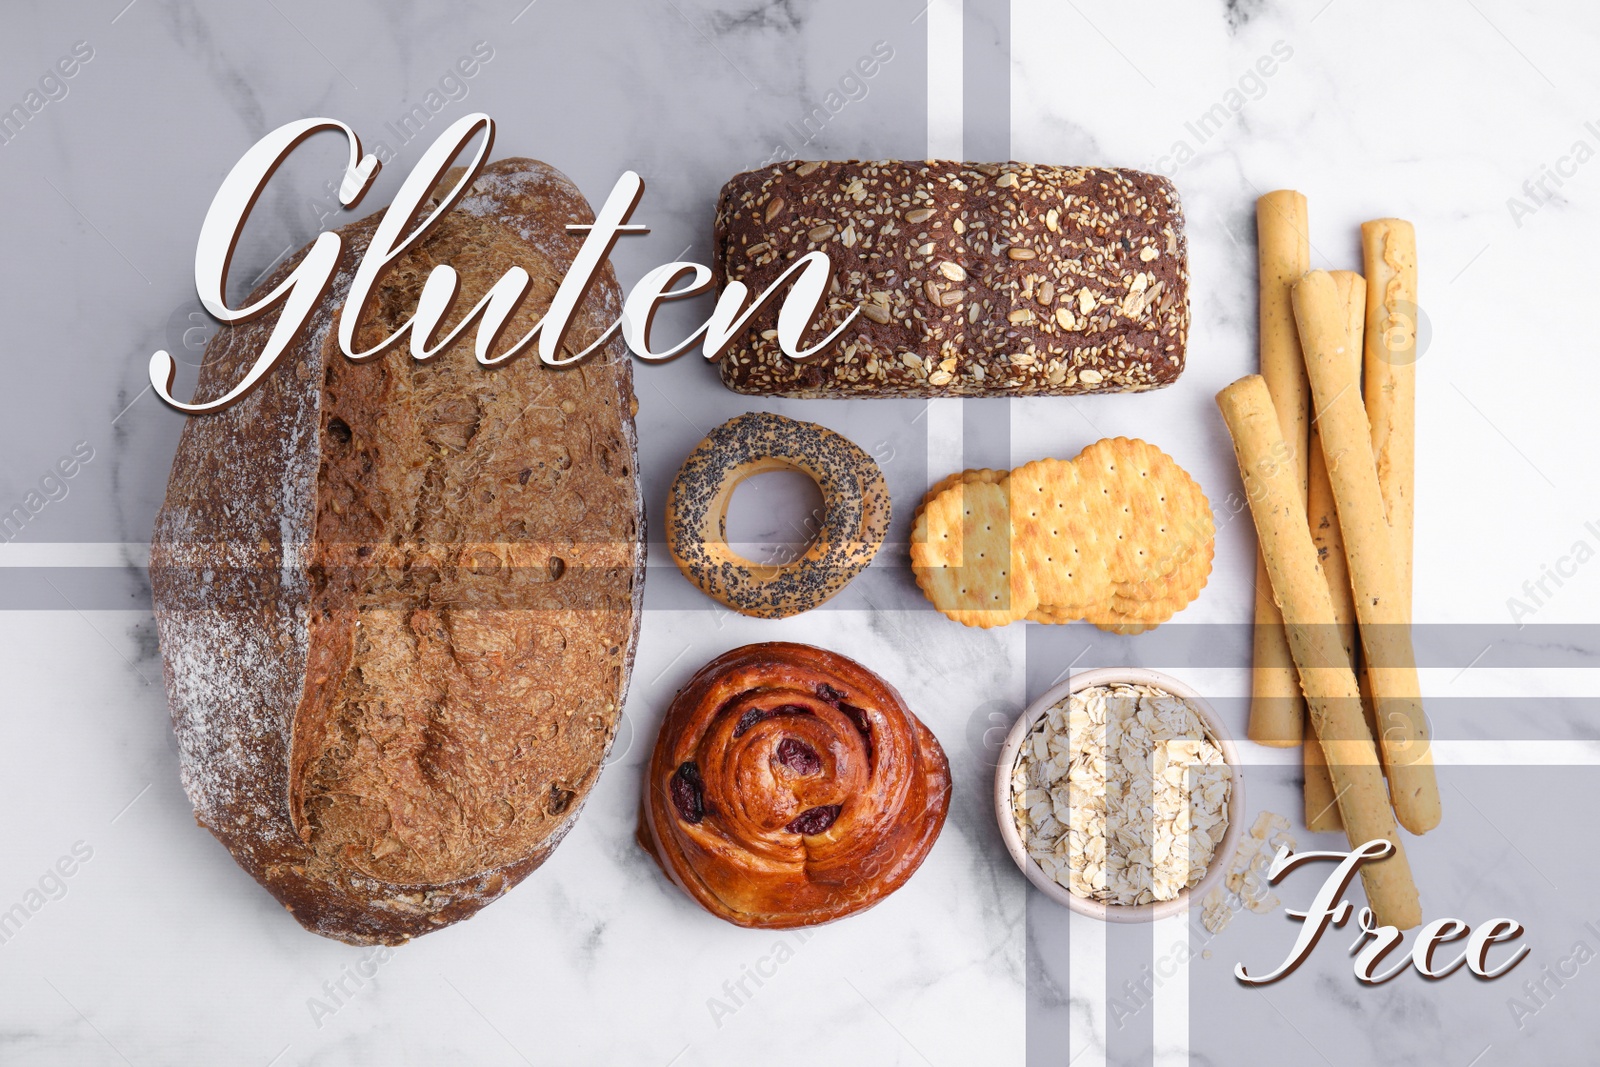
(158, 949)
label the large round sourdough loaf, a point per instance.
(398, 600)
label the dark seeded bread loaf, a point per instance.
(398, 601)
(991, 279)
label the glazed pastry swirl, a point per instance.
(791, 786)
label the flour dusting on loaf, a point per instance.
(398, 601)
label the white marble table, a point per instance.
(158, 949)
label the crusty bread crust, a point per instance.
(399, 601)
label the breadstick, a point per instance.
(1356, 296)
(1389, 255)
(1369, 550)
(1329, 683)
(1321, 803)
(1283, 242)
(1322, 814)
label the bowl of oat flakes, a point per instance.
(1118, 794)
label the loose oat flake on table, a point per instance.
(1246, 883)
(1120, 793)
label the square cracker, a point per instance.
(965, 559)
(1121, 536)
(1178, 590)
(1062, 533)
(971, 474)
(1157, 515)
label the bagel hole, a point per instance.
(774, 516)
